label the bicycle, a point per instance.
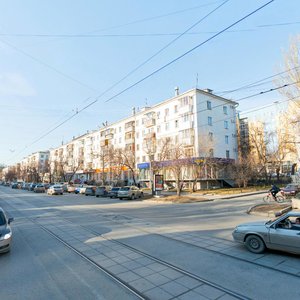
(269, 198)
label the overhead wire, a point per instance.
(128, 74)
(157, 70)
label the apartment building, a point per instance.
(34, 168)
(202, 124)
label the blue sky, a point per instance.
(51, 66)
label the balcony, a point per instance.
(109, 136)
(150, 135)
(130, 146)
(130, 128)
(129, 140)
(188, 141)
(149, 122)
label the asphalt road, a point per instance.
(78, 247)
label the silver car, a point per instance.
(55, 190)
(5, 232)
(282, 233)
(130, 192)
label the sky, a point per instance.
(75, 62)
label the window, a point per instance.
(210, 136)
(120, 140)
(137, 123)
(158, 129)
(208, 105)
(120, 129)
(226, 124)
(226, 139)
(175, 109)
(176, 123)
(211, 152)
(185, 100)
(158, 115)
(166, 112)
(227, 154)
(209, 121)
(137, 135)
(167, 126)
(144, 158)
(137, 147)
(225, 110)
(186, 117)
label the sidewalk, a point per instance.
(263, 209)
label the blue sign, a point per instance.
(143, 166)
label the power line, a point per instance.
(156, 71)
(154, 34)
(131, 72)
(257, 82)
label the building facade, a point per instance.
(197, 123)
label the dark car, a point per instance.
(90, 191)
(113, 193)
(32, 186)
(291, 189)
(102, 191)
(5, 232)
(14, 185)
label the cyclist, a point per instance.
(274, 190)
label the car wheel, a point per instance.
(141, 195)
(132, 197)
(255, 244)
(110, 197)
(120, 198)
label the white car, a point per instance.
(55, 190)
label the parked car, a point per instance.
(5, 232)
(113, 193)
(80, 189)
(25, 186)
(71, 188)
(130, 192)
(39, 188)
(102, 191)
(31, 186)
(291, 189)
(55, 190)
(14, 185)
(47, 185)
(90, 191)
(281, 233)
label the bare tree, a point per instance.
(243, 170)
(126, 158)
(260, 140)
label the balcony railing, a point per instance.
(149, 122)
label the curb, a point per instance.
(270, 213)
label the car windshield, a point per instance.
(115, 189)
(272, 220)
(2, 219)
(125, 189)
